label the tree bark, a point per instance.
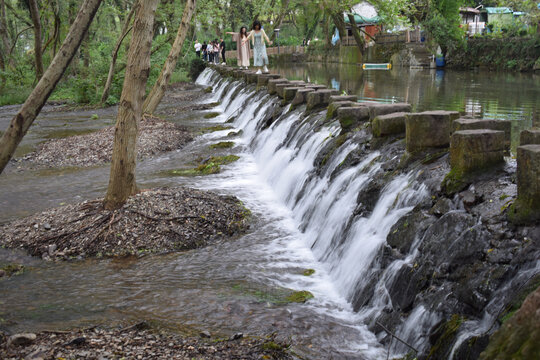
(34, 13)
(3, 30)
(340, 23)
(277, 23)
(155, 96)
(32, 106)
(125, 30)
(356, 33)
(122, 178)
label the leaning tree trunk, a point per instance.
(277, 23)
(125, 30)
(34, 12)
(32, 106)
(340, 24)
(155, 96)
(356, 33)
(122, 179)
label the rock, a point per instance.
(2, 273)
(237, 336)
(21, 339)
(519, 336)
(51, 249)
(489, 124)
(47, 226)
(351, 117)
(468, 197)
(390, 124)
(409, 228)
(527, 206)
(272, 83)
(429, 129)
(530, 137)
(471, 348)
(262, 79)
(205, 334)
(405, 285)
(441, 207)
(251, 77)
(301, 96)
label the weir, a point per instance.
(355, 196)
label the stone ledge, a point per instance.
(350, 117)
(390, 124)
(428, 129)
(491, 124)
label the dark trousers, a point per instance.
(211, 57)
(223, 55)
(198, 54)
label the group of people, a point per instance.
(211, 52)
(258, 38)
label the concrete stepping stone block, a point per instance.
(529, 137)
(341, 98)
(262, 79)
(491, 124)
(289, 93)
(333, 106)
(390, 124)
(475, 150)
(526, 208)
(272, 83)
(320, 98)
(428, 129)
(301, 96)
(350, 117)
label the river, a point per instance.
(230, 287)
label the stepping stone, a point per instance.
(351, 117)
(491, 124)
(428, 129)
(530, 137)
(390, 124)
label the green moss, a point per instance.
(503, 196)
(13, 269)
(208, 90)
(235, 133)
(223, 160)
(203, 169)
(453, 182)
(299, 296)
(222, 145)
(430, 158)
(216, 128)
(519, 298)
(309, 272)
(448, 332)
(211, 115)
(271, 346)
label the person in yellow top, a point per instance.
(242, 49)
(258, 37)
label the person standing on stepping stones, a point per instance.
(242, 48)
(258, 37)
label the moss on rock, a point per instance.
(211, 115)
(222, 145)
(299, 296)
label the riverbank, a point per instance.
(155, 221)
(137, 342)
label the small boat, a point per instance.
(385, 66)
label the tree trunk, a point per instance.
(125, 30)
(340, 23)
(155, 96)
(5, 46)
(277, 23)
(356, 33)
(30, 109)
(122, 178)
(34, 12)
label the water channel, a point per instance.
(231, 286)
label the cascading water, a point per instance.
(322, 204)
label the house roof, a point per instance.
(360, 20)
(499, 10)
(469, 10)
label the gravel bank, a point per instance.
(156, 221)
(136, 342)
(155, 136)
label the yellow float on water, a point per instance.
(386, 66)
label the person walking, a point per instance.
(258, 37)
(198, 47)
(242, 48)
(222, 47)
(210, 49)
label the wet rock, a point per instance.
(47, 226)
(237, 336)
(364, 295)
(471, 348)
(442, 206)
(408, 229)
(2, 273)
(205, 334)
(468, 198)
(369, 196)
(51, 249)
(518, 337)
(21, 339)
(406, 285)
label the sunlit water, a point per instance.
(230, 286)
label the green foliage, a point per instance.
(196, 66)
(442, 23)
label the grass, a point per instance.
(12, 96)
